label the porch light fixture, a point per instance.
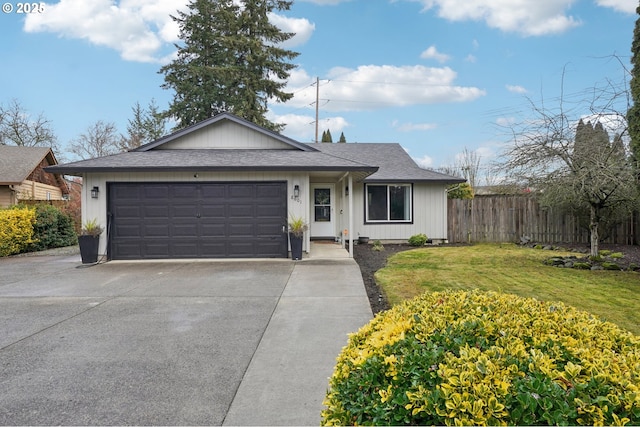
(296, 191)
(94, 192)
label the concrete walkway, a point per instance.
(173, 343)
(288, 377)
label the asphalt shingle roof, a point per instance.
(17, 163)
(395, 165)
(218, 160)
(383, 162)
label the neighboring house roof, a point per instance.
(395, 165)
(17, 163)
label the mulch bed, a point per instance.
(371, 261)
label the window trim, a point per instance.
(388, 221)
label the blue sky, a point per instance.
(436, 76)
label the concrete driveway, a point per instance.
(172, 343)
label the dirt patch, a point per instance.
(371, 261)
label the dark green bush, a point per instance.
(485, 358)
(418, 239)
(53, 229)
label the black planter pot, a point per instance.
(296, 246)
(89, 248)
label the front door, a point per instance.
(322, 211)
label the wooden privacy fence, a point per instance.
(498, 218)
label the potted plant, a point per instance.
(89, 240)
(297, 227)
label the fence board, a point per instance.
(500, 218)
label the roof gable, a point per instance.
(17, 163)
(225, 132)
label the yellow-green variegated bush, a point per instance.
(485, 358)
(16, 230)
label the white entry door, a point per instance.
(322, 210)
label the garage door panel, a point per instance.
(125, 211)
(127, 193)
(242, 210)
(214, 230)
(198, 220)
(155, 211)
(244, 230)
(184, 231)
(156, 230)
(183, 249)
(127, 231)
(132, 250)
(242, 191)
(213, 211)
(154, 249)
(215, 248)
(241, 248)
(184, 191)
(267, 211)
(273, 230)
(210, 191)
(156, 192)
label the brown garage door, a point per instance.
(197, 220)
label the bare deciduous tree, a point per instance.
(18, 127)
(468, 163)
(100, 139)
(573, 164)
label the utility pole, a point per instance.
(317, 102)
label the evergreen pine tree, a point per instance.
(230, 60)
(326, 136)
(633, 115)
(342, 138)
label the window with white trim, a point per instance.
(389, 202)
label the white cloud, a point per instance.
(302, 28)
(424, 161)
(371, 87)
(527, 17)
(626, 6)
(432, 53)
(505, 121)
(471, 58)
(302, 127)
(138, 29)
(410, 127)
(516, 89)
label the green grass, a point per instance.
(611, 295)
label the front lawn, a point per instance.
(508, 268)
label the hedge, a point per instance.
(485, 358)
(16, 230)
(53, 228)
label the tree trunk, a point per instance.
(593, 228)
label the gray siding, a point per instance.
(225, 135)
(429, 215)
